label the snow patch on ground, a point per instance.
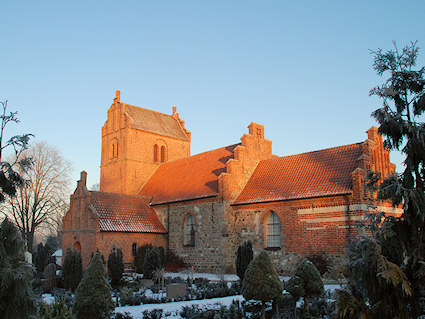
(172, 309)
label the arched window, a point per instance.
(272, 231)
(77, 246)
(113, 149)
(134, 249)
(189, 231)
(163, 154)
(155, 153)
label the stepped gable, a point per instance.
(125, 213)
(315, 174)
(156, 122)
(189, 178)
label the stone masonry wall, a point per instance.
(207, 254)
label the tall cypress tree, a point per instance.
(387, 270)
(93, 296)
(244, 256)
(16, 296)
(115, 266)
(72, 269)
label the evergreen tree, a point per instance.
(115, 266)
(93, 296)
(16, 296)
(244, 256)
(387, 270)
(261, 281)
(72, 269)
(57, 310)
(306, 283)
(139, 258)
(151, 262)
(42, 257)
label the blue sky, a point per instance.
(301, 68)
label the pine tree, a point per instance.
(16, 296)
(261, 281)
(72, 270)
(115, 266)
(244, 256)
(93, 296)
(387, 270)
(306, 282)
(151, 262)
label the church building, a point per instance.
(201, 207)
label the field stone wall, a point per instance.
(207, 255)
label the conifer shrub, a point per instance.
(93, 296)
(42, 257)
(115, 266)
(16, 295)
(152, 262)
(119, 315)
(244, 256)
(139, 258)
(261, 281)
(57, 310)
(72, 270)
(306, 283)
(321, 261)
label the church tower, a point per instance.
(135, 141)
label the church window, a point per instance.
(77, 246)
(113, 149)
(189, 231)
(155, 153)
(272, 231)
(134, 249)
(163, 154)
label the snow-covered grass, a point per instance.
(172, 309)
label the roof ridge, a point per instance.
(143, 108)
(119, 194)
(316, 151)
(192, 156)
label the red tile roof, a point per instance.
(189, 178)
(155, 122)
(321, 173)
(125, 213)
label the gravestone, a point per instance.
(176, 291)
(49, 275)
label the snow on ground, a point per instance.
(48, 298)
(211, 277)
(172, 309)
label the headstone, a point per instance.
(49, 275)
(176, 291)
(146, 283)
(28, 257)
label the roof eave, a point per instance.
(289, 199)
(183, 200)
